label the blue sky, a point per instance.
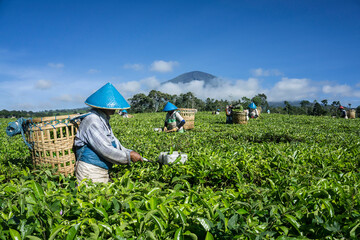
(54, 54)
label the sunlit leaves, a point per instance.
(277, 177)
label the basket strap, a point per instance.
(19, 127)
(80, 116)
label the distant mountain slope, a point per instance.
(282, 104)
(191, 76)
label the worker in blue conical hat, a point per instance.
(124, 113)
(173, 120)
(254, 113)
(96, 147)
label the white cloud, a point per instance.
(136, 66)
(342, 90)
(259, 72)
(93, 71)
(23, 73)
(33, 94)
(64, 91)
(162, 66)
(132, 87)
(65, 98)
(69, 98)
(56, 65)
(150, 83)
(292, 89)
(43, 84)
(224, 90)
(20, 88)
(128, 89)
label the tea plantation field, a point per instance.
(278, 177)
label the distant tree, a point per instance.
(158, 99)
(334, 108)
(210, 104)
(358, 111)
(325, 108)
(186, 100)
(261, 100)
(318, 110)
(336, 103)
(141, 103)
(324, 102)
(288, 108)
(305, 106)
(199, 104)
(4, 113)
(305, 103)
(277, 110)
(245, 101)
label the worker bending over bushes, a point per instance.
(97, 149)
(173, 120)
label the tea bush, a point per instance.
(278, 177)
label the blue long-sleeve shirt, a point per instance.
(95, 132)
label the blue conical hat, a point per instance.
(107, 97)
(124, 111)
(252, 105)
(169, 107)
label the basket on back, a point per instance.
(189, 116)
(351, 113)
(52, 139)
(239, 117)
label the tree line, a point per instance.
(47, 113)
(155, 101)
(315, 108)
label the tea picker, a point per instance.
(343, 113)
(228, 112)
(97, 149)
(174, 122)
(254, 113)
(52, 140)
(124, 113)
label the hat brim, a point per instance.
(105, 108)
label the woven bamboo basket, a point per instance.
(239, 117)
(351, 113)
(189, 116)
(53, 139)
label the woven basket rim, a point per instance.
(187, 109)
(52, 118)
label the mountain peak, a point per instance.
(192, 76)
